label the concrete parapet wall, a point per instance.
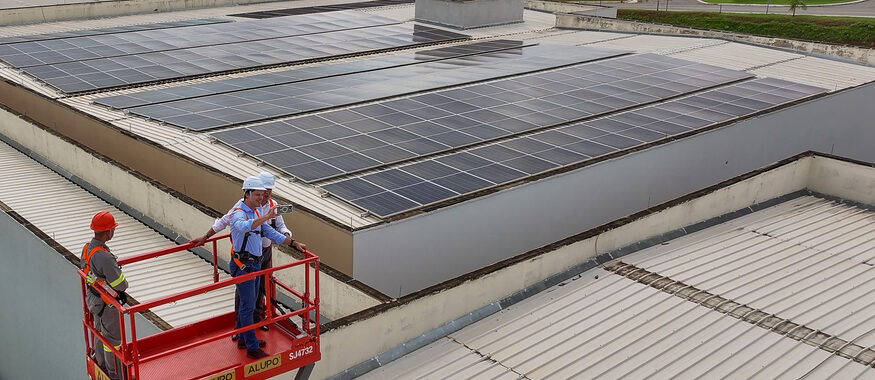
(568, 7)
(468, 14)
(843, 179)
(85, 10)
(577, 21)
(159, 204)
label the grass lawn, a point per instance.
(836, 30)
(774, 2)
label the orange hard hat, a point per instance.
(103, 221)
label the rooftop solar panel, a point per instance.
(302, 74)
(269, 102)
(113, 30)
(452, 119)
(104, 73)
(56, 51)
(396, 190)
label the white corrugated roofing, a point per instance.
(63, 211)
(825, 73)
(737, 56)
(807, 260)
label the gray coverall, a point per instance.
(104, 266)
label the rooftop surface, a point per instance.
(778, 293)
(337, 170)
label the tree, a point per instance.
(797, 3)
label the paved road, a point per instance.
(862, 9)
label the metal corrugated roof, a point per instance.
(737, 56)
(63, 211)
(806, 260)
(829, 74)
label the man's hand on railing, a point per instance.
(299, 246)
(199, 241)
(121, 297)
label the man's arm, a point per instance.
(278, 238)
(218, 225)
(104, 266)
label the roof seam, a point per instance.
(771, 322)
(488, 358)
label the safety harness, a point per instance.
(86, 256)
(243, 255)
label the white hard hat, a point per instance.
(266, 179)
(253, 183)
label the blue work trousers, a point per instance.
(247, 291)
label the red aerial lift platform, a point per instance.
(203, 350)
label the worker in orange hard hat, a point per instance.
(102, 269)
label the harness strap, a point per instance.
(96, 281)
(235, 255)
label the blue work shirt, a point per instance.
(241, 223)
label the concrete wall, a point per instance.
(568, 7)
(405, 256)
(94, 9)
(843, 179)
(578, 21)
(41, 322)
(147, 199)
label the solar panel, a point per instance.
(396, 190)
(302, 74)
(47, 52)
(270, 102)
(113, 30)
(104, 73)
(455, 118)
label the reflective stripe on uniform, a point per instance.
(121, 277)
(107, 349)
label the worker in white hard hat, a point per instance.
(277, 223)
(248, 226)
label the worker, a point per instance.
(101, 268)
(248, 225)
(278, 224)
(267, 253)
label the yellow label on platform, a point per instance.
(262, 365)
(227, 375)
(99, 374)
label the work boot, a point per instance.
(256, 354)
(242, 345)
(264, 328)
(234, 337)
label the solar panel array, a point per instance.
(404, 188)
(117, 29)
(271, 102)
(143, 98)
(104, 61)
(319, 147)
(35, 53)
(321, 8)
